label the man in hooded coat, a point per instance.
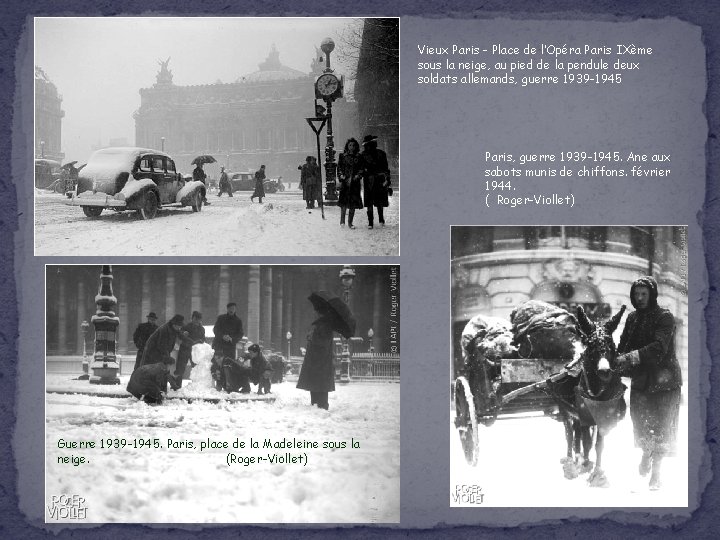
(647, 348)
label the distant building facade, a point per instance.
(494, 269)
(271, 300)
(48, 118)
(258, 119)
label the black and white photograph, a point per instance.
(213, 136)
(569, 366)
(222, 394)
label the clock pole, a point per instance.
(327, 46)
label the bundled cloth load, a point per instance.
(490, 336)
(542, 330)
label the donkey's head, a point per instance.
(600, 356)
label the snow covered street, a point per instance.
(281, 226)
(181, 485)
(519, 466)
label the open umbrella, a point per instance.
(329, 304)
(203, 159)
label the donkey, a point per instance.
(598, 397)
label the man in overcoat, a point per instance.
(195, 332)
(647, 348)
(200, 176)
(164, 344)
(224, 185)
(142, 334)
(376, 180)
(228, 330)
(259, 184)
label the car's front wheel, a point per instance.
(197, 201)
(150, 205)
(92, 211)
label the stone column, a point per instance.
(146, 299)
(253, 322)
(169, 292)
(62, 321)
(196, 291)
(288, 307)
(80, 316)
(277, 314)
(223, 289)
(266, 274)
(123, 314)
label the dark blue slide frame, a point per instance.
(15, 18)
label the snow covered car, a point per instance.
(127, 178)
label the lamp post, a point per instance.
(347, 276)
(289, 337)
(105, 364)
(85, 326)
(370, 339)
(42, 149)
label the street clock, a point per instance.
(328, 86)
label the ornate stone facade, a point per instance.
(258, 119)
(496, 268)
(48, 118)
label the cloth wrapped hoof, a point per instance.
(598, 479)
(570, 470)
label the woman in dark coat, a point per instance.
(259, 184)
(317, 374)
(350, 171)
(647, 348)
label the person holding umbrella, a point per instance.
(317, 374)
(198, 173)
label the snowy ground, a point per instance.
(526, 452)
(347, 485)
(228, 227)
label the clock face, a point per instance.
(327, 84)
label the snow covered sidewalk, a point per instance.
(129, 480)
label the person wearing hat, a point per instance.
(259, 184)
(149, 382)
(200, 176)
(164, 344)
(142, 334)
(195, 332)
(376, 181)
(647, 355)
(225, 186)
(310, 182)
(260, 367)
(228, 330)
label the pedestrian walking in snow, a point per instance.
(376, 181)
(224, 185)
(648, 356)
(350, 171)
(259, 184)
